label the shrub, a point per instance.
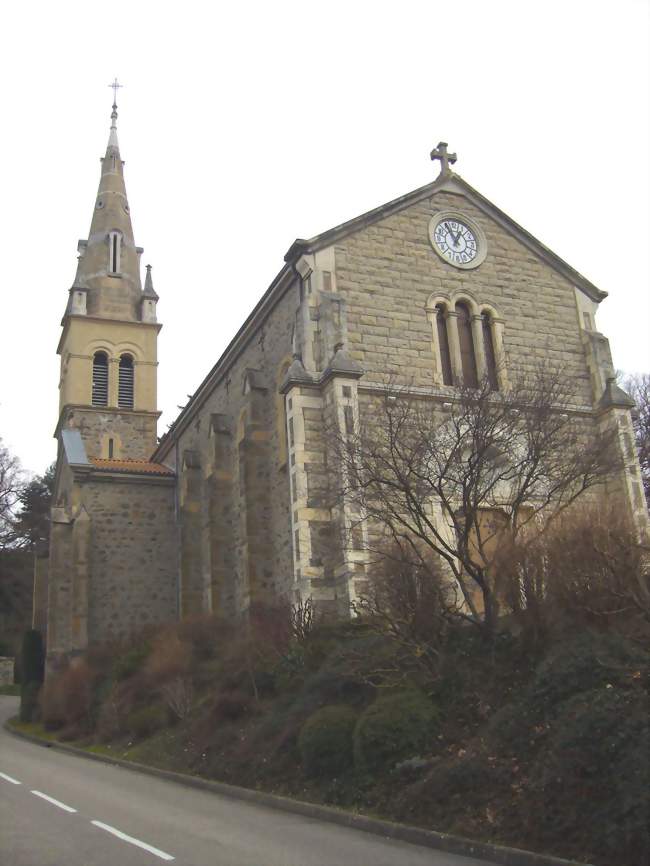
(589, 660)
(178, 695)
(586, 661)
(146, 721)
(203, 634)
(587, 569)
(591, 784)
(325, 741)
(33, 657)
(168, 659)
(68, 697)
(29, 701)
(32, 670)
(231, 706)
(130, 662)
(395, 727)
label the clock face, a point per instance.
(455, 241)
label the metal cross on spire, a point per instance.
(115, 87)
(440, 152)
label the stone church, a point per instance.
(233, 504)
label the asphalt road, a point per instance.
(61, 810)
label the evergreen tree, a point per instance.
(32, 526)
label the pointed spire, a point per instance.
(112, 135)
(113, 143)
(149, 291)
(110, 266)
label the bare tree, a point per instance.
(638, 387)
(11, 486)
(468, 478)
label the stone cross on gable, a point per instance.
(440, 152)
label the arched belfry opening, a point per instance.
(100, 379)
(125, 384)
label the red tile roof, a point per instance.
(137, 467)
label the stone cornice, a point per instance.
(67, 318)
(446, 395)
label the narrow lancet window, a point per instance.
(490, 355)
(443, 345)
(114, 252)
(100, 379)
(125, 383)
(466, 341)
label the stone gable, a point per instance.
(388, 271)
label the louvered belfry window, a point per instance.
(467, 355)
(100, 379)
(125, 383)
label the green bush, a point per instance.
(146, 721)
(395, 727)
(130, 662)
(33, 657)
(231, 706)
(591, 784)
(29, 701)
(587, 661)
(325, 741)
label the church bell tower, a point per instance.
(108, 347)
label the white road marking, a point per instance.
(54, 802)
(120, 835)
(9, 779)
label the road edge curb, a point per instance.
(498, 854)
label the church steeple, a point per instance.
(110, 260)
(108, 346)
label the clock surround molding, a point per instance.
(479, 234)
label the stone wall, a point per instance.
(6, 671)
(133, 555)
(242, 551)
(133, 433)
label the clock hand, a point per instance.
(455, 237)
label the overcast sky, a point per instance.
(246, 125)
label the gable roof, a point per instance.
(452, 183)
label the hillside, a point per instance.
(539, 746)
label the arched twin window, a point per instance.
(125, 382)
(467, 345)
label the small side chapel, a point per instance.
(236, 502)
